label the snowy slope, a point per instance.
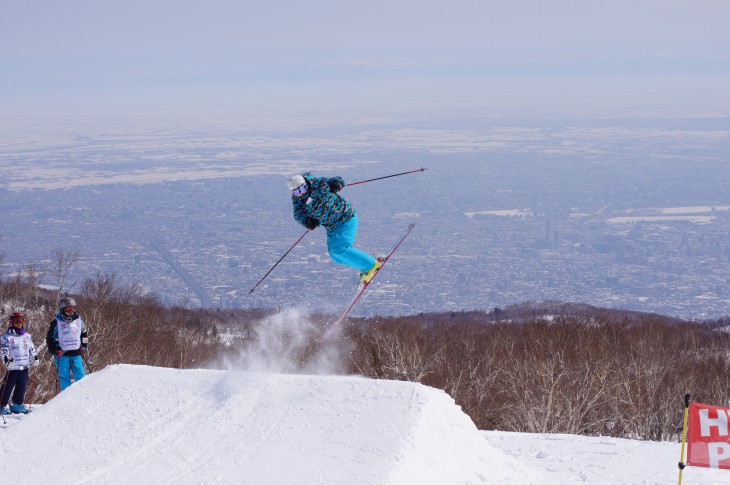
(133, 424)
(569, 459)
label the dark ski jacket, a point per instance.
(322, 203)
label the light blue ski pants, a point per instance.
(339, 244)
(66, 365)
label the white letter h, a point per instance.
(706, 422)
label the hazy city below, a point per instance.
(621, 213)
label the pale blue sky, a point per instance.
(91, 57)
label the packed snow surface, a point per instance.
(132, 424)
(137, 424)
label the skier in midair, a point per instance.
(18, 355)
(316, 202)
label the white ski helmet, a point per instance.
(67, 301)
(295, 181)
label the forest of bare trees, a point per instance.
(595, 374)
(547, 368)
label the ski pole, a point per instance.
(86, 361)
(280, 260)
(5, 385)
(386, 177)
(58, 375)
(31, 384)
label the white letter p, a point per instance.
(718, 452)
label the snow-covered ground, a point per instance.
(137, 424)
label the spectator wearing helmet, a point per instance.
(316, 202)
(67, 341)
(18, 355)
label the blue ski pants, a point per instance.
(68, 365)
(339, 244)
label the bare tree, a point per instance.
(398, 351)
(62, 263)
(29, 280)
(467, 368)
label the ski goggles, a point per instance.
(300, 191)
(69, 309)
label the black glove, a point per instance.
(311, 224)
(10, 364)
(336, 184)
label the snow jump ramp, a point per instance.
(138, 424)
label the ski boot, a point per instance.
(366, 276)
(18, 409)
(5, 411)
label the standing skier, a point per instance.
(316, 202)
(18, 355)
(67, 341)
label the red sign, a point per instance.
(708, 436)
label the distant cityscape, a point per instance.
(631, 214)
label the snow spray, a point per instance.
(285, 343)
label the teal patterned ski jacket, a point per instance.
(322, 203)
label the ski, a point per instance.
(364, 287)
